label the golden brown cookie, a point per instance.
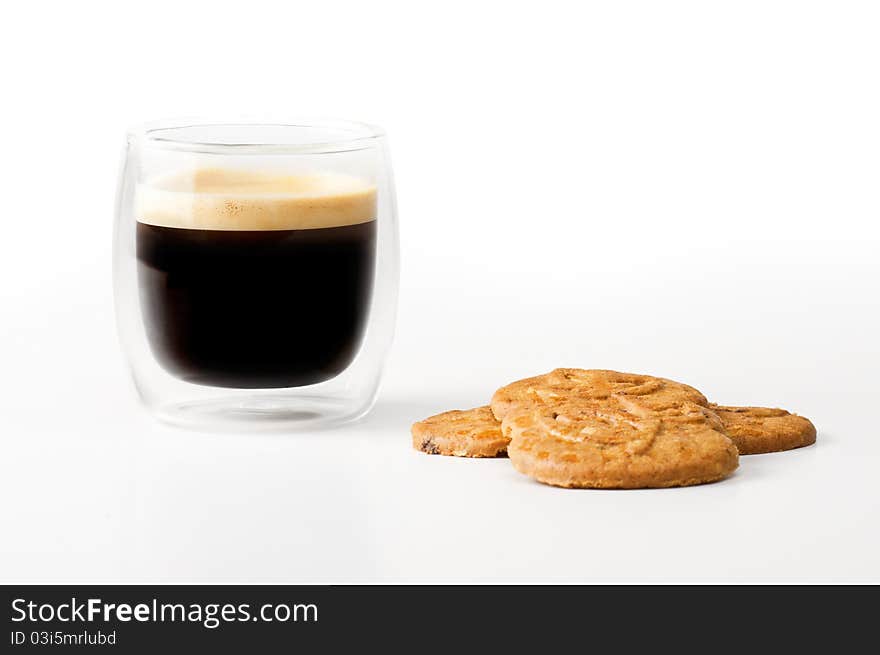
(606, 429)
(567, 384)
(618, 443)
(757, 430)
(463, 433)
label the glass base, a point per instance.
(265, 413)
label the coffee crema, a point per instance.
(255, 280)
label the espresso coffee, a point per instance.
(254, 280)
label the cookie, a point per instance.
(564, 384)
(617, 442)
(757, 430)
(606, 429)
(463, 433)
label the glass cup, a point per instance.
(256, 271)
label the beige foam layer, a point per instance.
(227, 199)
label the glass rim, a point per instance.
(353, 135)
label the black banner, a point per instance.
(147, 619)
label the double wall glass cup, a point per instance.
(256, 270)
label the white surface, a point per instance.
(683, 189)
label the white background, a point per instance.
(687, 189)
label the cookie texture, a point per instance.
(462, 433)
(618, 443)
(568, 384)
(612, 430)
(757, 430)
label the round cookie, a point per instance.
(566, 384)
(615, 443)
(757, 430)
(463, 433)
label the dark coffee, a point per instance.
(252, 309)
(256, 308)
